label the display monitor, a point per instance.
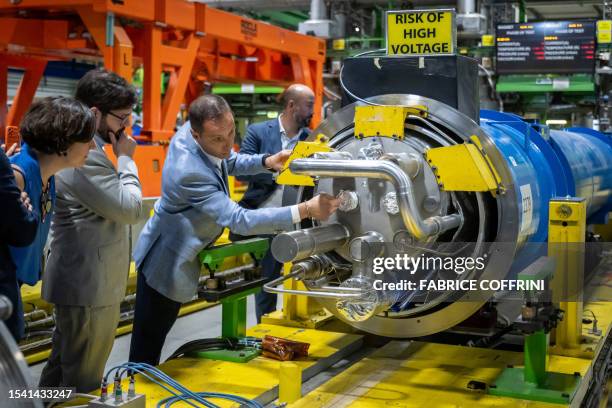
(546, 47)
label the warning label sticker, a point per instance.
(527, 213)
(421, 32)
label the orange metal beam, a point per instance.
(137, 9)
(122, 54)
(96, 25)
(34, 33)
(150, 160)
(183, 59)
(221, 24)
(191, 42)
(151, 101)
(177, 14)
(33, 71)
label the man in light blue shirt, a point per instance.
(191, 214)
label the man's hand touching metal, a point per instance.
(277, 161)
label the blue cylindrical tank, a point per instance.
(547, 163)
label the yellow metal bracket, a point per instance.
(300, 151)
(464, 167)
(384, 121)
(566, 237)
(298, 311)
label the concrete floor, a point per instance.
(203, 324)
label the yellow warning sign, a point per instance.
(421, 32)
(604, 31)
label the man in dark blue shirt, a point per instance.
(271, 137)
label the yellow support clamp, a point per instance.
(566, 237)
(298, 311)
(384, 121)
(300, 151)
(464, 167)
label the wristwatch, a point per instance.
(263, 161)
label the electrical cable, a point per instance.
(180, 392)
(588, 310)
(243, 401)
(492, 86)
(348, 92)
(205, 344)
(487, 341)
(145, 369)
(358, 98)
(227, 343)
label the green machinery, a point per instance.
(539, 316)
(232, 291)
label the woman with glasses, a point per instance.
(57, 134)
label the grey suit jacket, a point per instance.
(191, 213)
(89, 258)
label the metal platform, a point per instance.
(415, 374)
(258, 378)
(418, 374)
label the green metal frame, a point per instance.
(230, 89)
(233, 324)
(533, 381)
(582, 83)
(233, 307)
(557, 388)
(213, 257)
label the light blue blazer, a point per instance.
(190, 215)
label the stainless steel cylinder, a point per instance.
(367, 246)
(295, 245)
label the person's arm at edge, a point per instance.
(19, 225)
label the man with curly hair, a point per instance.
(89, 260)
(58, 134)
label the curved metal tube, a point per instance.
(271, 287)
(386, 170)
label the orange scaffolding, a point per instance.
(189, 41)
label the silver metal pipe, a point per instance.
(36, 344)
(333, 155)
(385, 170)
(318, 10)
(271, 287)
(466, 6)
(50, 320)
(36, 314)
(296, 245)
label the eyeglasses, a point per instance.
(123, 119)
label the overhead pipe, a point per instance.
(466, 6)
(318, 10)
